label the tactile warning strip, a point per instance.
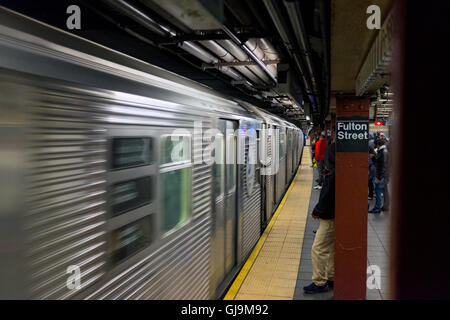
(271, 271)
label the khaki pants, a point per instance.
(322, 253)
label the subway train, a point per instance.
(105, 192)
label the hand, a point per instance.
(313, 216)
(377, 181)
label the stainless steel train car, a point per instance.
(120, 180)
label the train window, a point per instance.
(131, 152)
(131, 238)
(175, 149)
(131, 194)
(176, 197)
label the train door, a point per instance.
(276, 157)
(225, 200)
(218, 237)
(230, 193)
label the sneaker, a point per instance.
(330, 284)
(370, 198)
(375, 211)
(317, 188)
(313, 288)
(384, 209)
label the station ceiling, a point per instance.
(351, 40)
(318, 46)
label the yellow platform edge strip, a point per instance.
(232, 292)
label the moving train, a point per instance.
(105, 192)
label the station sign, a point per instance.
(352, 134)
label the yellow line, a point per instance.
(232, 292)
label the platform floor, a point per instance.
(271, 272)
(280, 264)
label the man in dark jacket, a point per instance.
(382, 174)
(322, 252)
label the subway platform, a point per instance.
(280, 264)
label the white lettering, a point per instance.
(74, 281)
(374, 21)
(73, 21)
(374, 280)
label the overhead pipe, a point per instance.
(141, 17)
(255, 46)
(239, 54)
(228, 57)
(244, 47)
(281, 28)
(198, 52)
(297, 24)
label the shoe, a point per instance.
(317, 188)
(375, 211)
(313, 288)
(384, 209)
(330, 284)
(370, 198)
(314, 231)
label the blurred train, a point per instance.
(93, 204)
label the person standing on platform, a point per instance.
(320, 156)
(382, 174)
(322, 251)
(313, 148)
(372, 171)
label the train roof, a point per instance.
(71, 58)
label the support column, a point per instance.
(352, 133)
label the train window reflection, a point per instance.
(131, 238)
(282, 144)
(219, 159)
(176, 197)
(175, 149)
(231, 162)
(130, 152)
(129, 195)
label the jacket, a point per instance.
(320, 150)
(382, 163)
(324, 209)
(372, 168)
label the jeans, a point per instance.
(379, 188)
(386, 195)
(371, 187)
(320, 169)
